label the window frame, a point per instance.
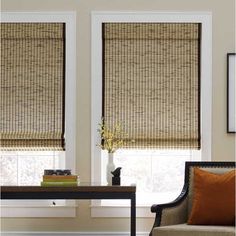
(99, 17)
(9, 209)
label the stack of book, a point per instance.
(60, 180)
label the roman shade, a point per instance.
(32, 94)
(151, 83)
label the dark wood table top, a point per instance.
(82, 191)
(83, 187)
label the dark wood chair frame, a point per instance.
(159, 208)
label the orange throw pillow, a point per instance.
(213, 198)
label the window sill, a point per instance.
(98, 210)
(9, 211)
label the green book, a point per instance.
(59, 184)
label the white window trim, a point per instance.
(99, 17)
(69, 18)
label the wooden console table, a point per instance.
(83, 191)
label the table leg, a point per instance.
(133, 216)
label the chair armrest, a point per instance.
(172, 213)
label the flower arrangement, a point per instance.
(111, 139)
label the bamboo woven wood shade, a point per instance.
(32, 92)
(151, 83)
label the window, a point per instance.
(26, 167)
(32, 100)
(157, 173)
(28, 162)
(153, 158)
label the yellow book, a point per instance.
(59, 184)
(60, 178)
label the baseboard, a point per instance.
(71, 234)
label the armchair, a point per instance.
(171, 217)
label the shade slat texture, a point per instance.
(32, 86)
(151, 83)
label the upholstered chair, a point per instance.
(171, 218)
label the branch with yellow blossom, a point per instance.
(111, 139)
